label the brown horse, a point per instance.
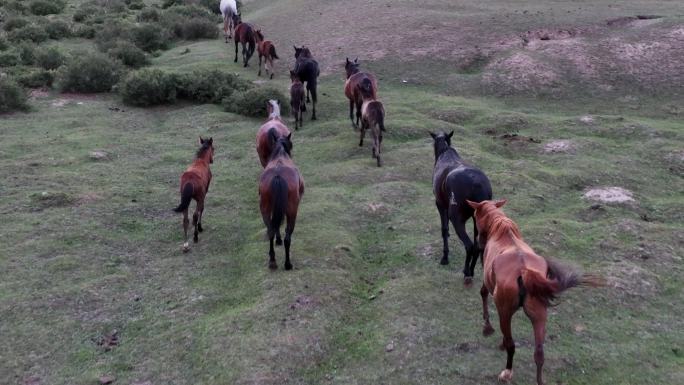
(194, 185)
(280, 189)
(297, 99)
(373, 118)
(245, 35)
(264, 145)
(266, 50)
(518, 277)
(356, 82)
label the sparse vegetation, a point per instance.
(30, 32)
(57, 29)
(46, 7)
(91, 72)
(12, 96)
(129, 54)
(49, 58)
(253, 101)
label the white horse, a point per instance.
(230, 17)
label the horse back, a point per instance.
(199, 175)
(284, 168)
(263, 143)
(307, 69)
(244, 33)
(352, 87)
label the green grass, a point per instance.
(101, 250)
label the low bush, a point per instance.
(9, 59)
(27, 53)
(12, 96)
(109, 35)
(46, 7)
(129, 54)
(148, 87)
(253, 101)
(14, 23)
(91, 72)
(4, 44)
(30, 32)
(36, 78)
(49, 58)
(209, 86)
(212, 5)
(197, 28)
(16, 6)
(85, 31)
(135, 4)
(148, 15)
(57, 29)
(84, 12)
(190, 22)
(150, 37)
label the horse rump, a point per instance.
(278, 202)
(186, 197)
(272, 52)
(559, 277)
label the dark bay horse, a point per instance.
(245, 34)
(280, 189)
(264, 144)
(267, 51)
(373, 118)
(307, 71)
(297, 99)
(454, 181)
(356, 83)
(518, 277)
(194, 185)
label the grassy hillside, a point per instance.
(91, 247)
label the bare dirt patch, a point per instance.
(609, 195)
(304, 302)
(38, 93)
(560, 147)
(519, 73)
(632, 280)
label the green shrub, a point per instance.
(3, 43)
(129, 54)
(149, 15)
(14, 23)
(9, 59)
(91, 72)
(85, 11)
(27, 53)
(209, 86)
(12, 96)
(28, 32)
(148, 87)
(58, 29)
(16, 6)
(36, 78)
(212, 5)
(135, 4)
(253, 101)
(150, 37)
(85, 31)
(50, 58)
(197, 28)
(46, 7)
(110, 34)
(190, 22)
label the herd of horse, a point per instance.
(513, 273)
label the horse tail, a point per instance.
(366, 87)
(278, 201)
(186, 197)
(272, 52)
(311, 86)
(560, 277)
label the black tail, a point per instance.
(272, 52)
(278, 201)
(311, 86)
(366, 87)
(381, 121)
(186, 197)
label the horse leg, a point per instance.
(351, 113)
(259, 74)
(270, 66)
(244, 54)
(291, 219)
(459, 226)
(278, 239)
(236, 49)
(307, 93)
(225, 27)
(536, 311)
(186, 224)
(487, 329)
(314, 97)
(506, 303)
(444, 217)
(196, 219)
(378, 140)
(272, 264)
(358, 111)
(363, 133)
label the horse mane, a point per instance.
(500, 224)
(259, 35)
(305, 53)
(203, 149)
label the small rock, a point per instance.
(98, 155)
(587, 119)
(609, 195)
(389, 347)
(105, 380)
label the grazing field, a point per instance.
(548, 98)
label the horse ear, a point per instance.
(450, 135)
(432, 134)
(289, 136)
(210, 141)
(356, 60)
(500, 203)
(474, 205)
(201, 141)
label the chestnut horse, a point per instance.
(266, 50)
(518, 277)
(264, 146)
(297, 99)
(373, 118)
(307, 71)
(194, 185)
(245, 35)
(230, 17)
(356, 82)
(454, 181)
(280, 189)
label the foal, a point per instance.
(195, 185)
(280, 189)
(266, 50)
(353, 88)
(518, 277)
(373, 118)
(454, 181)
(297, 99)
(264, 145)
(244, 34)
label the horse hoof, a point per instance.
(288, 266)
(279, 242)
(313, 117)
(506, 375)
(272, 265)
(186, 247)
(444, 261)
(271, 76)
(487, 330)
(379, 163)
(467, 281)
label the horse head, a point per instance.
(206, 145)
(351, 67)
(259, 35)
(441, 142)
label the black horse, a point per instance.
(454, 181)
(306, 69)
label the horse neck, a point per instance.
(204, 157)
(503, 228)
(448, 154)
(275, 114)
(279, 153)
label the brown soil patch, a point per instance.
(518, 138)
(38, 93)
(609, 195)
(560, 147)
(304, 302)
(632, 280)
